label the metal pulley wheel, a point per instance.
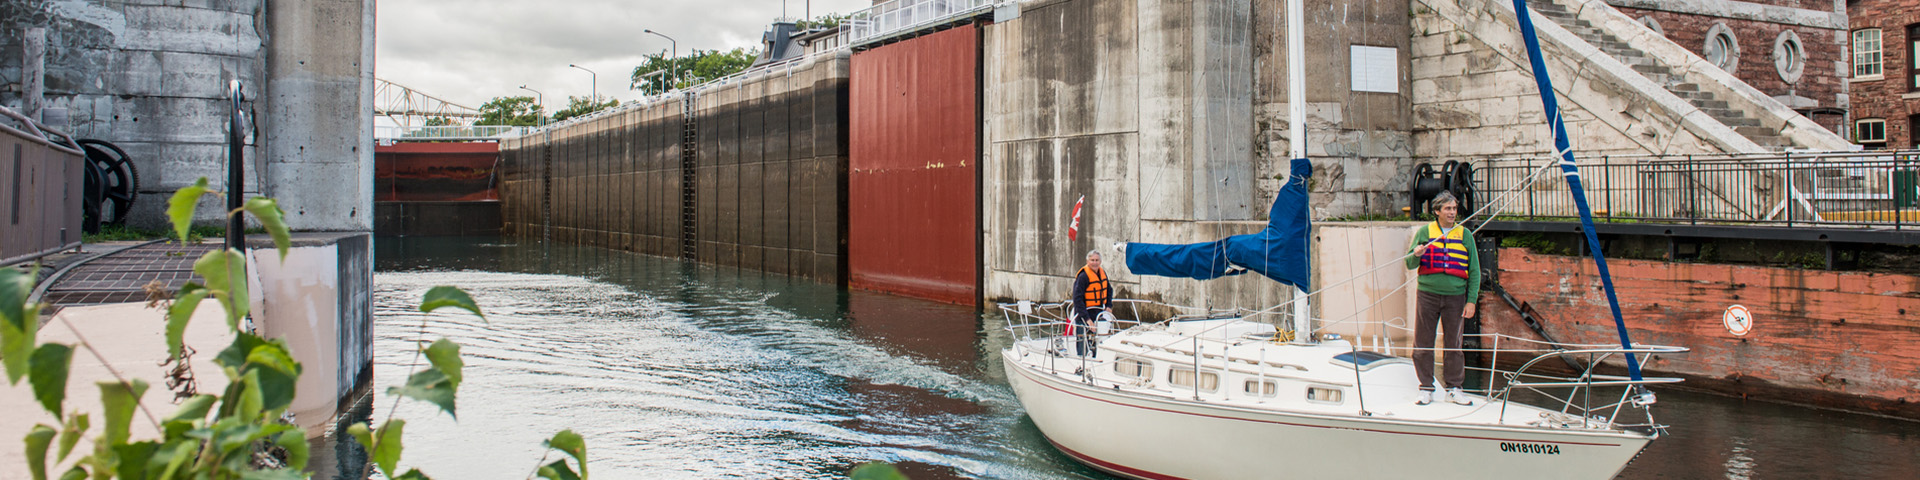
(111, 184)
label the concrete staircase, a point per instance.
(1709, 103)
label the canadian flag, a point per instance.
(1073, 229)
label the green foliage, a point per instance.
(1536, 242)
(696, 68)
(514, 111)
(214, 436)
(823, 21)
(119, 233)
(577, 106)
(876, 471)
(445, 296)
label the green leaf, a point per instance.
(445, 296)
(37, 442)
(249, 405)
(431, 386)
(386, 452)
(184, 303)
(117, 401)
(558, 471)
(180, 207)
(70, 432)
(75, 473)
(570, 443)
(412, 474)
(226, 274)
(19, 322)
(295, 442)
(273, 219)
(279, 374)
(876, 471)
(287, 474)
(194, 409)
(236, 353)
(50, 364)
(133, 459)
(175, 454)
(445, 355)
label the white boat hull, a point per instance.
(1146, 436)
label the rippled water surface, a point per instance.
(673, 370)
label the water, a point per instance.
(673, 370)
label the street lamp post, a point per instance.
(673, 62)
(595, 78)
(540, 100)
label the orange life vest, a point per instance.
(1097, 288)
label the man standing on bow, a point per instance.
(1449, 264)
(1092, 295)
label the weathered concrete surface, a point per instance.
(318, 115)
(126, 334)
(1171, 118)
(1832, 339)
(148, 76)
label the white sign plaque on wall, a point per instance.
(1375, 69)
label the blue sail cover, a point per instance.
(1279, 251)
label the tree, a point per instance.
(699, 67)
(824, 21)
(514, 111)
(577, 106)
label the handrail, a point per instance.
(43, 134)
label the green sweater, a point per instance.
(1444, 284)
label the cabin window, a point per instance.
(1262, 388)
(1866, 53)
(1328, 395)
(1183, 377)
(1133, 367)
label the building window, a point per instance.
(1866, 53)
(1722, 49)
(1870, 133)
(1789, 59)
(1913, 58)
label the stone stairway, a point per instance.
(1707, 102)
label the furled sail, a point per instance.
(1279, 252)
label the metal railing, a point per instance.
(883, 20)
(41, 175)
(1875, 189)
(447, 132)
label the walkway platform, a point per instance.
(122, 275)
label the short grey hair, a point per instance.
(1093, 253)
(1444, 198)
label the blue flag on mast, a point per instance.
(1279, 252)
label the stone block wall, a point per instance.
(1888, 97)
(150, 77)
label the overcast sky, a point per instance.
(470, 51)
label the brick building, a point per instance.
(1885, 73)
(1792, 50)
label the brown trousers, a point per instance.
(1447, 309)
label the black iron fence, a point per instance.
(1873, 188)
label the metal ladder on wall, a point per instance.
(689, 155)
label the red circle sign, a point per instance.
(1738, 320)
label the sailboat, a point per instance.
(1209, 394)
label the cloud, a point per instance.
(470, 51)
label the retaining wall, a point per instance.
(767, 156)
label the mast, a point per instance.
(1297, 137)
(1571, 171)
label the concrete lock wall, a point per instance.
(768, 168)
(912, 184)
(1170, 117)
(1832, 339)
